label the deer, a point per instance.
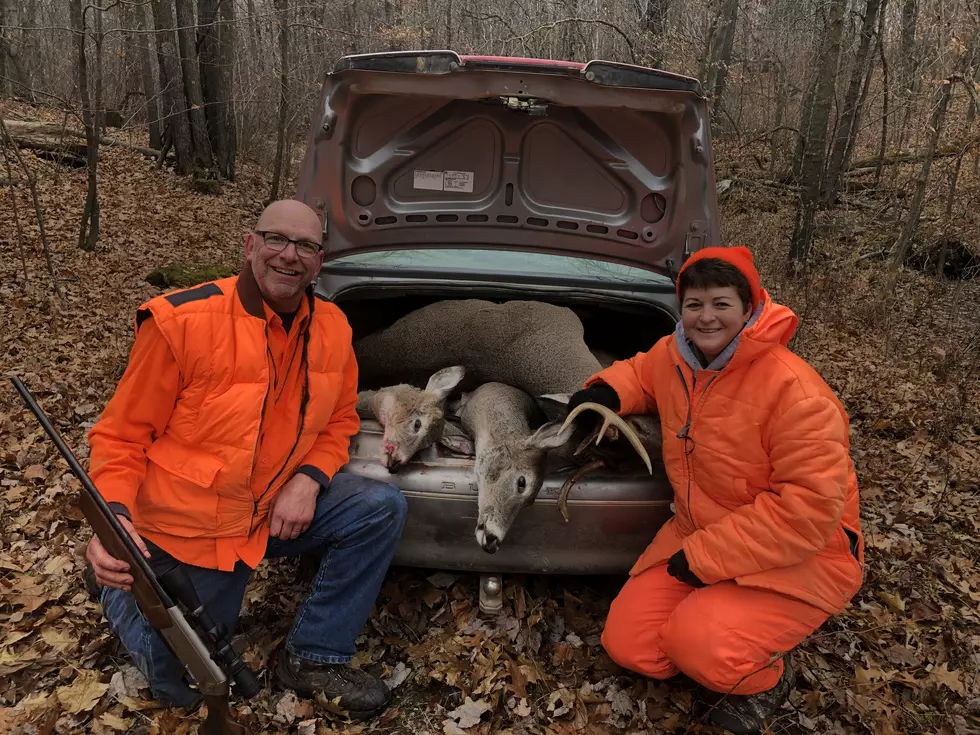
(413, 418)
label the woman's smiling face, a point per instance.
(712, 317)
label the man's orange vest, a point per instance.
(199, 473)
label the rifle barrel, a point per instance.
(90, 488)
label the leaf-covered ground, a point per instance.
(902, 659)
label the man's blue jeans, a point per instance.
(357, 526)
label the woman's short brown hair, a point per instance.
(715, 273)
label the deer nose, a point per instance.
(490, 543)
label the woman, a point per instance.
(765, 543)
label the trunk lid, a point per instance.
(430, 149)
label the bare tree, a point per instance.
(88, 234)
(150, 87)
(815, 143)
(848, 126)
(943, 95)
(173, 114)
(192, 85)
(4, 53)
(720, 54)
(282, 11)
(217, 58)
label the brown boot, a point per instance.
(746, 714)
(362, 695)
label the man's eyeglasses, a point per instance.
(277, 243)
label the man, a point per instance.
(222, 445)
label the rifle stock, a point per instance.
(198, 653)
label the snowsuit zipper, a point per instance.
(685, 432)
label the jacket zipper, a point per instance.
(258, 435)
(685, 432)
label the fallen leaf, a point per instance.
(469, 712)
(952, 680)
(58, 639)
(893, 600)
(115, 722)
(83, 694)
(35, 472)
(398, 676)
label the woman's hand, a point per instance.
(679, 569)
(599, 393)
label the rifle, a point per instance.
(201, 645)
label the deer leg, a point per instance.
(570, 482)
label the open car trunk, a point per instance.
(612, 516)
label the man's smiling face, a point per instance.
(283, 274)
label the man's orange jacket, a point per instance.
(758, 455)
(217, 409)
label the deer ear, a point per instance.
(550, 436)
(455, 440)
(442, 383)
(384, 404)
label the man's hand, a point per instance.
(293, 508)
(110, 571)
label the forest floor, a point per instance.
(903, 658)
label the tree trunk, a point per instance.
(449, 24)
(653, 20)
(721, 54)
(173, 119)
(806, 116)
(815, 145)
(227, 38)
(254, 39)
(943, 95)
(908, 65)
(282, 10)
(216, 54)
(851, 115)
(4, 64)
(192, 85)
(883, 143)
(150, 89)
(87, 235)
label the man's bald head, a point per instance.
(283, 270)
(292, 218)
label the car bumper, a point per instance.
(612, 518)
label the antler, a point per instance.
(611, 418)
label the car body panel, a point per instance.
(601, 160)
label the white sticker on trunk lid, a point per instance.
(458, 181)
(461, 181)
(430, 180)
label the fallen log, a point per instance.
(896, 158)
(45, 136)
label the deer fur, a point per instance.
(531, 345)
(413, 418)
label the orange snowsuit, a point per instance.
(218, 408)
(766, 511)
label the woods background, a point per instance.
(139, 141)
(835, 89)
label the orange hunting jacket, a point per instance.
(758, 454)
(217, 409)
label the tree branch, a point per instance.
(597, 21)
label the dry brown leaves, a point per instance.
(902, 659)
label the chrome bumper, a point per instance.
(612, 518)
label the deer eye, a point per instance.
(418, 425)
(521, 483)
